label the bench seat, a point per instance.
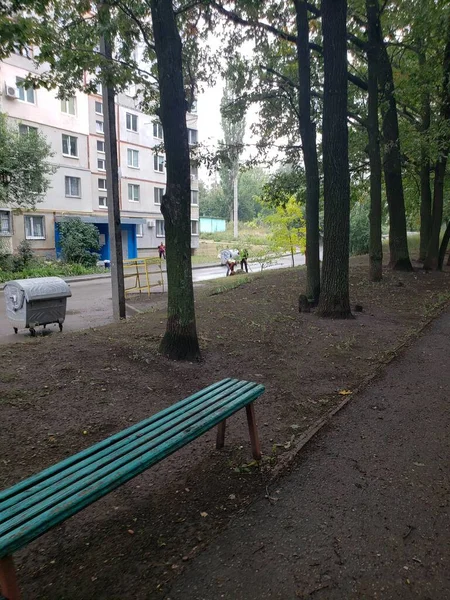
(33, 506)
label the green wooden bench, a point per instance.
(33, 506)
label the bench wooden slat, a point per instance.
(114, 457)
(76, 497)
(85, 465)
(43, 475)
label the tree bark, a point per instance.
(334, 295)
(375, 217)
(180, 340)
(398, 241)
(431, 261)
(235, 205)
(443, 248)
(425, 183)
(308, 137)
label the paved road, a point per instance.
(90, 304)
(365, 512)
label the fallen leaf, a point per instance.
(203, 514)
(345, 392)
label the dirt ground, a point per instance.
(61, 393)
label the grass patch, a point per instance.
(51, 269)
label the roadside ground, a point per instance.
(61, 393)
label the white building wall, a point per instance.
(46, 114)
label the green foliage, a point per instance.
(24, 158)
(216, 200)
(47, 269)
(286, 183)
(359, 229)
(79, 242)
(24, 256)
(288, 229)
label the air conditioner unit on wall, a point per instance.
(10, 91)
(151, 223)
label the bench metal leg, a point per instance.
(8, 580)
(220, 440)
(254, 439)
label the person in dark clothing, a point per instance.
(244, 257)
(162, 251)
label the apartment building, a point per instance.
(75, 130)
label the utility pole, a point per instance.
(235, 202)
(112, 178)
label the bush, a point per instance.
(359, 229)
(79, 242)
(24, 256)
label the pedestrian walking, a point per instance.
(162, 251)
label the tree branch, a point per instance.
(133, 17)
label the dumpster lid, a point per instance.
(41, 288)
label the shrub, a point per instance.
(359, 229)
(79, 242)
(24, 256)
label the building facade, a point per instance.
(74, 128)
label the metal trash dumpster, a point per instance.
(37, 301)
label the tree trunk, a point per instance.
(308, 136)
(431, 261)
(443, 248)
(375, 217)
(398, 241)
(334, 295)
(425, 184)
(180, 339)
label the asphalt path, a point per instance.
(91, 306)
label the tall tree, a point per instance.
(309, 147)
(375, 218)
(180, 340)
(392, 166)
(334, 296)
(432, 258)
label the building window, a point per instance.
(34, 227)
(157, 130)
(160, 230)
(101, 164)
(73, 187)
(98, 107)
(158, 163)
(158, 194)
(101, 146)
(102, 184)
(69, 145)
(194, 197)
(193, 107)
(139, 230)
(99, 89)
(194, 227)
(131, 91)
(132, 122)
(68, 106)
(133, 192)
(192, 136)
(194, 172)
(26, 95)
(103, 202)
(5, 222)
(99, 127)
(27, 129)
(133, 158)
